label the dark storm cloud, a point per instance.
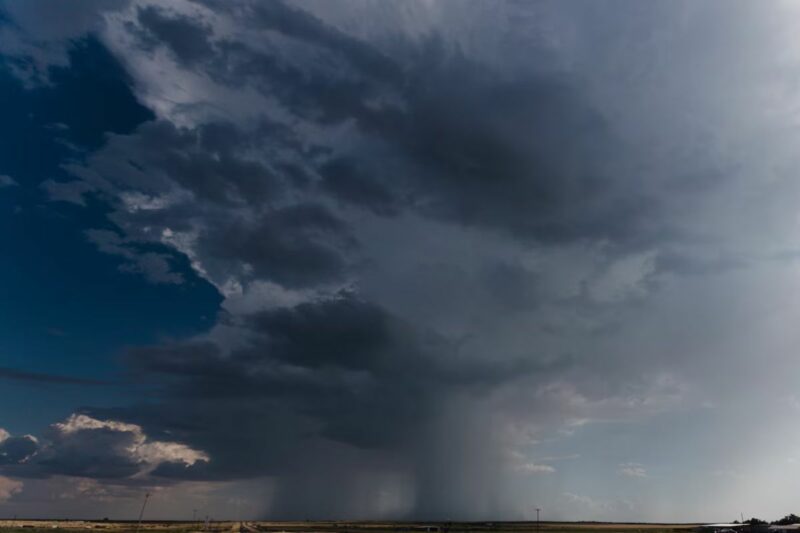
(208, 161)
(337, 132)
(296, 245)
(686, 264)
(97, 453)
(186, 38)
(86, 447)
(352, 334)
(534, 161)
(301, 25)
(340, 369)
(348, 181)
(236, 204)
(511, 285)
(344, 332)
(320, 96)
(436, 134)
(526, 155)
(15, 450)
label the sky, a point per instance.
(400, 259)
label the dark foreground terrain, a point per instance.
(67, 526)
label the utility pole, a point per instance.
(537, 519)
(141, 513)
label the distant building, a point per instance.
(720, 528)
(738, 528)
(788, 528)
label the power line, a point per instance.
(141, 513)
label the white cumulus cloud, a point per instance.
(142, 449)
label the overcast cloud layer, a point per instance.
(473, 258)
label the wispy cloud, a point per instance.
(632, 470)
(38, 377)
(569, 457)
(535, 468)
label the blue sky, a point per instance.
(69, 309)
(399, 259)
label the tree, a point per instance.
(787, 520)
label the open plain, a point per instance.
(67, 526)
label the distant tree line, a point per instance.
(785, 521)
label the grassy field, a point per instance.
(68, 526)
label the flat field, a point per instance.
(74, 526)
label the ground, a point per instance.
(69, 526)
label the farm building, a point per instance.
(711, 528)
(733, 528)
(786, 528)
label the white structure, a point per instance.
(721, 528)
(789, 528)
